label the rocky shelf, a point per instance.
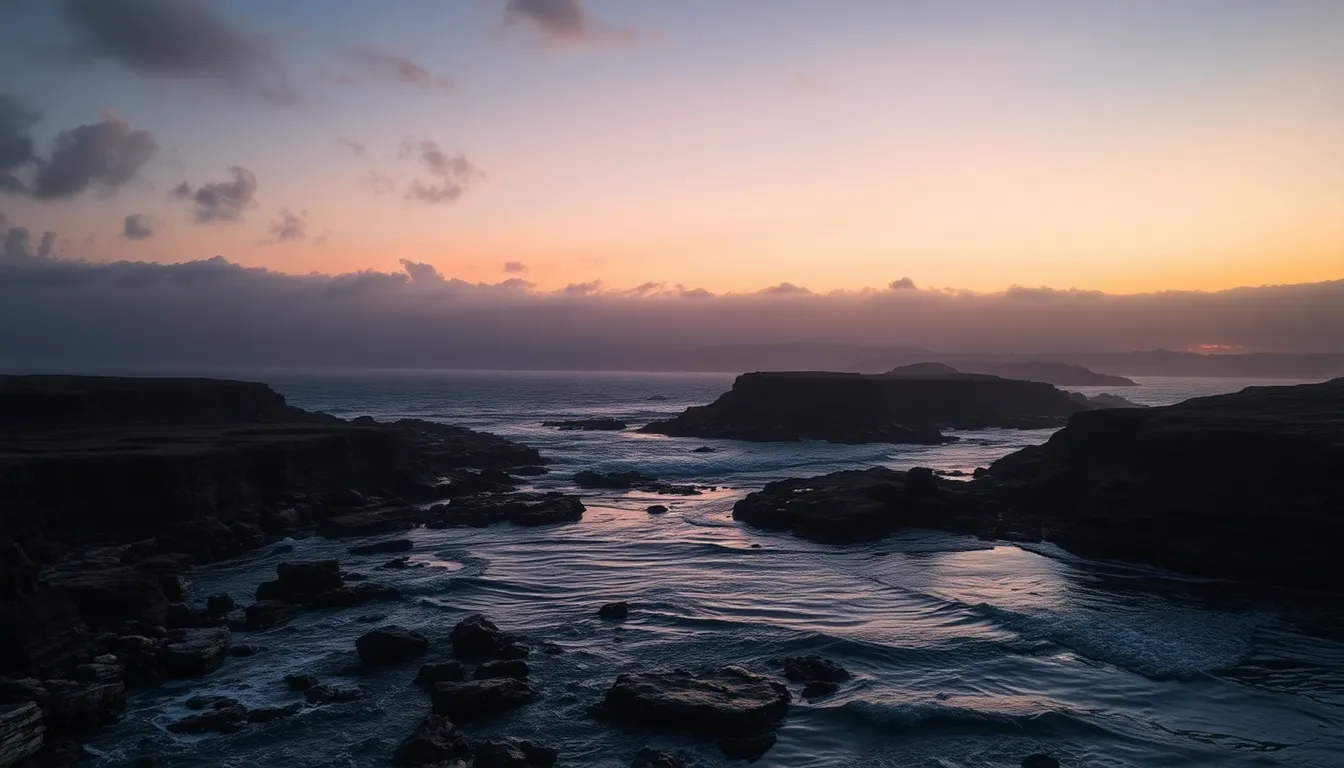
(884, 408)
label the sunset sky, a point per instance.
(1119, 146)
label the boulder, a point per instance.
(371, 522)
(513, 754)
(749, 748)
(478, 637)
(383, 547)
(360, 594)
(705, 449)
(729, 701)
(220, 604)
(228, 718)
(195, 652)
(441, 672)
(816, 689)
(526, 509)
(269, 714)
(631, 481)
(480, 698)
(649, 757)
(614, 611)
(303, 579)
(109, 595)
(265, 614)
(390, 645)
(300, 682)
(656, 509)
(515, 668)
(22, 733)
(435, 740)
(606, 424)
(807, 669)
(326, 693)
(71, 709)
(175, 587)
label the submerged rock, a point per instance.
(807, 669)
(390, 645)
(628, 481)
(326, 693)
(265, 614)
(480, 698)
(526, 509)
(614, 611)
(730, 701)
(478, 637)
(435, 740)
(515, 668)
(649, 757)
(441, 672)
(749, 748)
(605, 424)
(513, 754)
(1039, 760)
(656, 509)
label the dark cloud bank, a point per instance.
(61, 313)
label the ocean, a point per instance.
(966, 653)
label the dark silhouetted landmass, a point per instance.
(852, 408)
(1161, 362)
(1059, 374)
(1245, 486)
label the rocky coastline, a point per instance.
(883, 408)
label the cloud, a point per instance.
(1022, 293)
(138, 226)
(904, 284)
(582, 289)
(178, 39)
(785, 289)
(396, 68)
(290, 226)
(106, 154)
(514, 267)
(451, 175)
(565, 21)
(55, 310)
(222, 200)
(352, 145)
(16, 144)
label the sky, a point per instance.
(643, 152)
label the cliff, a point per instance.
(1246, 485)
(854, 408)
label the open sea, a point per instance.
(966, 653)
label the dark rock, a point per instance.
(282, 549)
(22, 734)
(99, 672)
(226, 719)
(551, 649)
(351, 577)
(513, 754)
(390, 645)
(728, 701)
(656, 509)
(301, 579)
(657, 397)
(749, 748)
(70, 708)
(219, 604)
(300, 682)
(244, 651)
(515, 668)
(269, 714)
(920, 480)
(326, 693)
(626, 481)
(480, 698)
(526, 509)
(110, 595)
(175, 587)
(705, 449)
(195, 652)
(606, 424)
(441, 672)
(346, 497)
(649, 757)
(372, 522)
(478, 637)
(183, 616)
(265, 614)
(40, 632)
(381, 547)
(1059, 374)
(1039, 760)
(529, 471)
(807, 669)
(854, 408)
(370, 618)
(435, 740)
(1243, 486)
(815, 689)
(855, 505)
(614, 611)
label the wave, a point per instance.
(1039, 718)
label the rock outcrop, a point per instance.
(884, 408)
(1246, 485)
(730, 701)
(588, 425)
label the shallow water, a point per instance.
(966, 653)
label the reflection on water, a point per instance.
(965, 653)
